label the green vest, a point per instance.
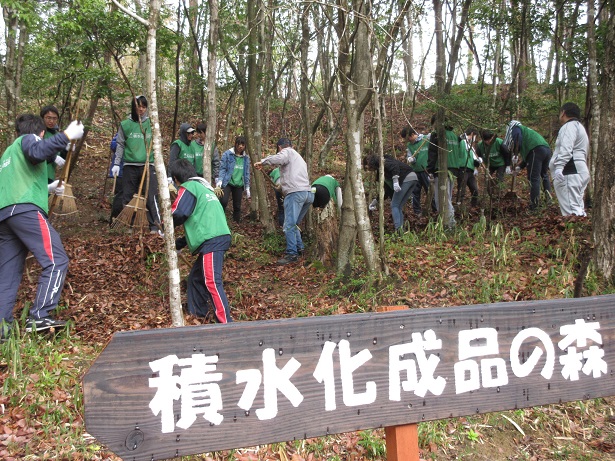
(135, 149)
(469, 158)
(275, 175)
(456, 154)
(531, 139)
(207, 220)
(197, 154)
(330, 183)
(20, 180)
(421, 157)
(185, 151)
(237, 176)
(491, 154)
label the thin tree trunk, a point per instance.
(592, 109)
(212, 114)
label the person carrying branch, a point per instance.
(134, 140)
(24, 224)
(535, 154)
(207, 234)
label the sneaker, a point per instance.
(287, 259)
(46, 323)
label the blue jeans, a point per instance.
(296, 205)
(399, 200)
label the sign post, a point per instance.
(165, 393)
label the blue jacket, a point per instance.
(227, 165)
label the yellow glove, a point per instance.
(219, 192)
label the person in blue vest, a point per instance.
(24, 224)
(207, 234)
(234, 176)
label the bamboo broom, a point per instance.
(134, 213)
(64, 204)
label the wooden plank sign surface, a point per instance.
(164, 393)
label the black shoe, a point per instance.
(287, 259)
(46, 323)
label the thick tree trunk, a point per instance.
(604, 202)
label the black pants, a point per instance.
(465, 177)
(237, 193)
(117, 205)
(131, 178)
(423, 185)
(279, 198)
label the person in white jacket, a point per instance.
(568, 165)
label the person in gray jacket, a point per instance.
(298, 195)
(568, 165)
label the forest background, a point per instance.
(339, 79)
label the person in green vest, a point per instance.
(207, 235)
(235, 176)
(51, 117)
(25, 226)
(417, 148)
(495, 155)
(134, 139)
(470, 169)
(279, 197)
(182, 147)
(327, 188)
(535, 154)
(198, 146)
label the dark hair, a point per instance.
(407, 131)
(486, 135)
(141, 101)
(372, 162)
(284, 142)
(45, 110)
(201, 127)
(29, 124)
(182, 170)
(471, 130)
(571, 110)
(240, 140)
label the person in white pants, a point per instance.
(568, 165)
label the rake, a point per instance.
(64, 204)
(134, 213)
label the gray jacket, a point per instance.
(293, 170)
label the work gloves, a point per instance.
(53, 188)
(508, 170)
(59, 161)
(218, 183)
(411, 160)
(115, 170)
(396, 186)
(74, 131)
(374, 205)
(247, 192)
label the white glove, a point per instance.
(558, 175)
(508, 170)
(431, 178)
(170, 180)
(115, 170)
(396, 186)
(53, 188)
(515, 159)
(374, 205)
(218, 183)
(475, 172)
(74, 130)
(479, 160)
(59, 161)
(517, 169)
(411, 160)
(247, 192)
(68, 147)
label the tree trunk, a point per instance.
(604, 202)
(212, 114)
(592, 109)
(11, 68)
(163, 188)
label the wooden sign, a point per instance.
(165, 393)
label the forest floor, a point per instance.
(117, 282)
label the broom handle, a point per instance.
(114, 181)
(65, 179)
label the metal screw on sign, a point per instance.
(134, 439)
